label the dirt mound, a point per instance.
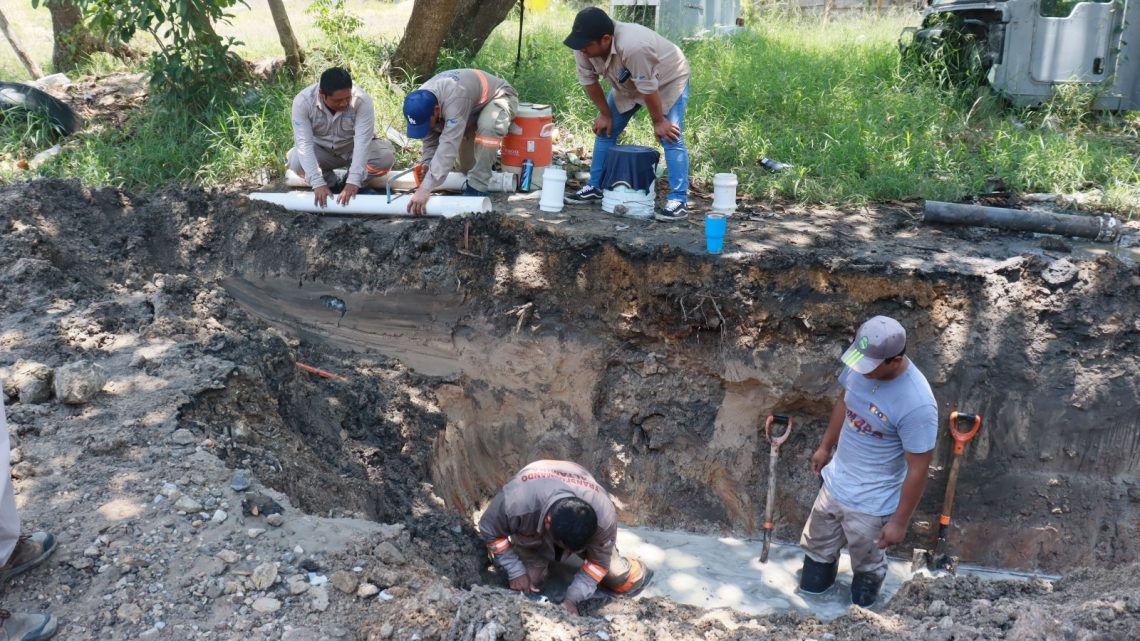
(546, 336)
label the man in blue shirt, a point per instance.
(885, 424)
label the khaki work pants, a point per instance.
(380, 159)
(832, 526)
(480, 147)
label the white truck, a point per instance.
(1025, 48)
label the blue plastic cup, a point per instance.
(715, 227)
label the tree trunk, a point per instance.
(475, 21)
(72, 41)
(29, 64)
(418, 51)
(293, 55)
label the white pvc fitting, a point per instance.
(502, 181)
(724, 193)
(445, 206)
(553, 188)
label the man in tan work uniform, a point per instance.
(462, 116)
(548, 511)
(334, 126)
(643, 70)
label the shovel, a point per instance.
(939, 560)
(783, 423)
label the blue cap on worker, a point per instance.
(419, 107)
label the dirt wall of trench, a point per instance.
(648, 363)
(687, 354)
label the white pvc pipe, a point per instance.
(445, 206)
(455, 181)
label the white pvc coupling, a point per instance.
(724, 193)
(445, 206)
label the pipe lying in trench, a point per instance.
(1099, 228)
(444, 206)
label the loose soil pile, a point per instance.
(555, 335)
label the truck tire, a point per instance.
(16, 96)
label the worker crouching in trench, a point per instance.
(549, 512)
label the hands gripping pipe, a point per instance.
(445, 206)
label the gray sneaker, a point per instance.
(31, 550)
(673, 211)
(587, 194)
(19, 626)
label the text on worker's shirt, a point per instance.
(567, 477)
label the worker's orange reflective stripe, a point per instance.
(375, 171)
(498, 546)
(488, 141)
(595, 571)
(635, 574)
(944, 519)
(486, 86)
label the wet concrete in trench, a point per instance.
(726, 572)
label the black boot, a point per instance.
(816, 577)
(865, 589)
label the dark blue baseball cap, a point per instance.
(419, 107)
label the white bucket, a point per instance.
(724, 193)
(553, 186)
(637, 204)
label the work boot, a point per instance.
(865, 589)
(816, 577)
(640, 575)
(31, 550)
(18, 626)
(585, 195)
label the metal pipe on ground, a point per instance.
(1100, 228)
(445, 206)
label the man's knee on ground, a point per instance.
(381, 156)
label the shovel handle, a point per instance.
(962, 437)
(784, 422)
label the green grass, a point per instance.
(830, 99)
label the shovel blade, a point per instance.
(947, 563)
(921, 559)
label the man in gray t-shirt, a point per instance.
(885, 424)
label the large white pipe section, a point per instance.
(445, 206)
(455, 181)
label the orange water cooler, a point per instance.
(530, 138)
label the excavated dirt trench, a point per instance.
(653, 366)
(631, 352)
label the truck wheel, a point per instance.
(18, 97)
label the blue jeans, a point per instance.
(676, 153)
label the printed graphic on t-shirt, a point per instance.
(864, 427)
